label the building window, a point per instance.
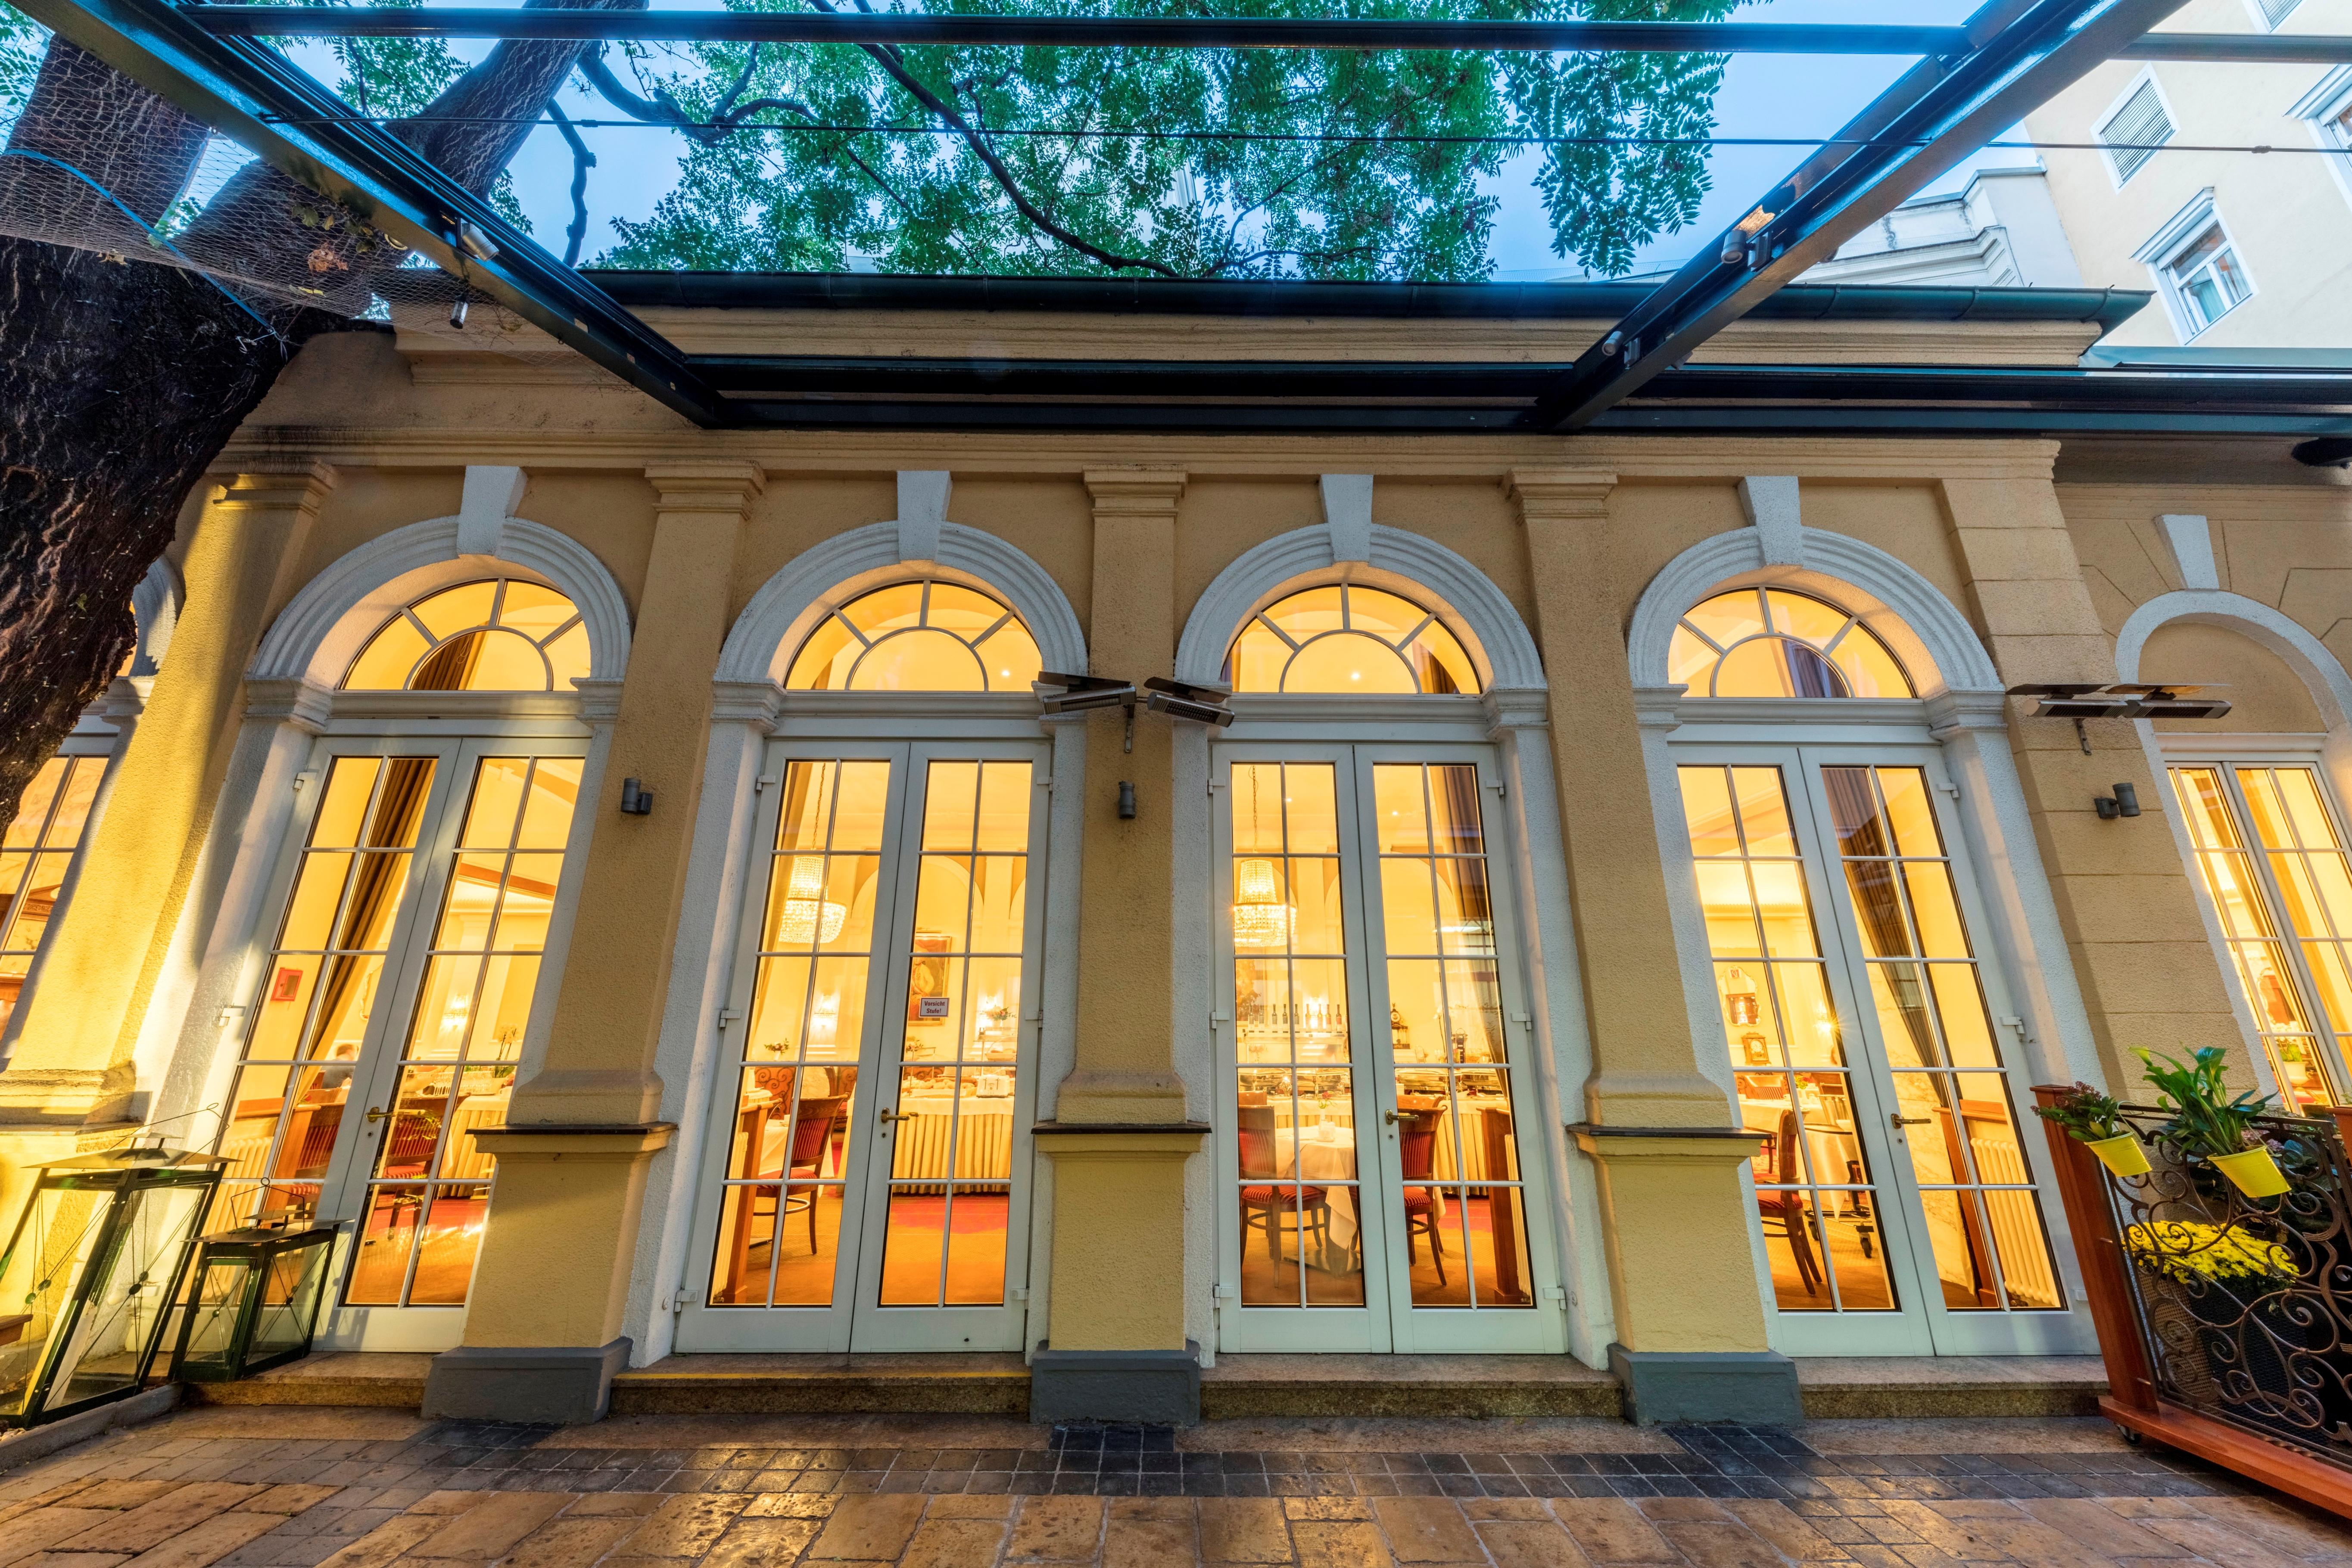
(498, 635)
(2134, 132)
(1769, 642)
(2273, 12)
(1348, 639)
(34, 855)
(2267, 845)
(920, 636)
(2205, 279)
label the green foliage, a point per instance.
(2086, 1113)
(23, 41)
(925, 200)
(2205, 1120)
(2180, 1249)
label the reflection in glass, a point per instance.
(318, 992)
(1958, 1126)
(34, 855)
(950, 1145)
(1816, 1203)
(431, 1188)
(2302, 1012)
(796, 1076)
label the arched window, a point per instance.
(501, 635)
(1769, 642)
(1348, 639)
(920, 636)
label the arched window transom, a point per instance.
(1351, 638)
(1771, 643)
(922, 636)
(500, 634)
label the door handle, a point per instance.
(1392, 1117)
(378, 1114)
(1896, 1120)
(894, 1116)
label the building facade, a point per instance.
(623, 875)
(2151, 172)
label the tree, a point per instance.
(120, 381)
(1367, 165)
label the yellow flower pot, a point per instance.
(2251, 1171)
(2121, 1155)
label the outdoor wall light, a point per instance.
(1127, 800)
(1081, 693)
(2124, 802)
(636, 801)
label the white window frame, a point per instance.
(2330, 97)
(2263, 22)
(2147, 78)
(2183, 229)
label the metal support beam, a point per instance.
(1941, 111)
(1196, 32)
(251, 94)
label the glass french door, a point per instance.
(1375, 1059)
(1897, 1209)
(385, 1025)
(2270, 846)
(866, 1181)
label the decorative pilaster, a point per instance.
(2126, 906)
(1658, 1131)
(551, 1291)
(76, 1033)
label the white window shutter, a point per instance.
(2134, 132)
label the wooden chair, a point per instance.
(812, 1128)
(1786, 1207)
(1262, 1207)
(1417, 1153)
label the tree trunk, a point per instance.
(120, 380)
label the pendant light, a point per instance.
(807, 916)
(1260, 917)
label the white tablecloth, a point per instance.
(983, 1149)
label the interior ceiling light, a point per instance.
(808, 916)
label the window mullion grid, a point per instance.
(1791, 1084)
(2286, 946)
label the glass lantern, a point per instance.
(256, 1303)
(93, 1271)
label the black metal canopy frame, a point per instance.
(1969, 83)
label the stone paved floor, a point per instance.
(381, 1488)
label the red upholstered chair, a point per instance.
(1417, 1153)
(1262, 1207)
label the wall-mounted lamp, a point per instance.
(636, 801)
(2124, 802)
(1126, 800)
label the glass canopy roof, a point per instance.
(1661, 167)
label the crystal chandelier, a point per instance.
(807, 916)
(1260, 917)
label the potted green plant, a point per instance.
(2207, 1124)
(2093, 1119)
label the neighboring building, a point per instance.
(620, 872)
(2001, 232)
(2245, 250)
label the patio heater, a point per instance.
(256, 1303)
(92, 1275)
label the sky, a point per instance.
(1762, 95)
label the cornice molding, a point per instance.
(295, 487)
(706, 485)
(1559, 494)
(1135, 492)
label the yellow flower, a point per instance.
(2180, 1247)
